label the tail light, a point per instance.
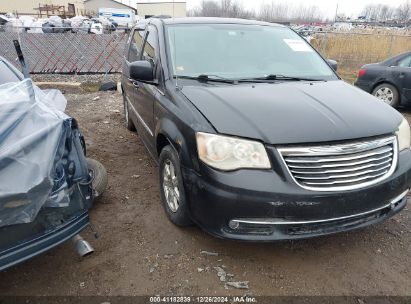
(361, 73)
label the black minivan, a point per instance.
(256, 136)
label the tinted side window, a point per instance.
(150, 53)
(151, 44)
(135, 45)
(405, 62)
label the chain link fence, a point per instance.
(82, 53)
(353, 50)
(73, 53)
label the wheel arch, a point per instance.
(161, 142)
(167, 133)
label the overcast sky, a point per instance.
(348, 7)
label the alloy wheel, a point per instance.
(385, 94)
(170, 186)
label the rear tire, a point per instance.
(100, 178)
(129, 124)
(172, 188)
(387, 93)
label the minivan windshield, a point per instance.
(238, 51)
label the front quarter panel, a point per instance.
(178, 120)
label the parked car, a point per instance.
(46, 183)
(255, 135)
(389, 80)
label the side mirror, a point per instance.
(333, 64)
(142, 70)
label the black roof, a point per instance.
(211, 20)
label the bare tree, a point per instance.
(283, 11)
(275, 11)
(404, 11)
(306, 13)
(280, 10)
(380, 12)
(226, 7)
(221, 8)
(207, 8)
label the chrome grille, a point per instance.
(341, 166)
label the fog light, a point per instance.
(233, 225)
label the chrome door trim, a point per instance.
(158, 90)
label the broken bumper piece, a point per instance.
(42, 242)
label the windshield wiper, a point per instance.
(216, 78)
(278, 77)
(207, 78)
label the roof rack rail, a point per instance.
(160, 17)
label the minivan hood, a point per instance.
(294, 112)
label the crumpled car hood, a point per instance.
(294, 112)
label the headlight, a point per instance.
(230, 153)
(403, 135)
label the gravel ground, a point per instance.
(140, 252)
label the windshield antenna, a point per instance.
(175, 50)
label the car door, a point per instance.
(147, 94)
(132, 54)
(402, 76)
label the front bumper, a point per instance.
(28, 248)
(266, 205)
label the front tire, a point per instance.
(172, 188)
(129, 124)
(387, 93)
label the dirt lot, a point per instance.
(140, 252)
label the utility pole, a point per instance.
(336, 13)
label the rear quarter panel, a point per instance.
(374, 75)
